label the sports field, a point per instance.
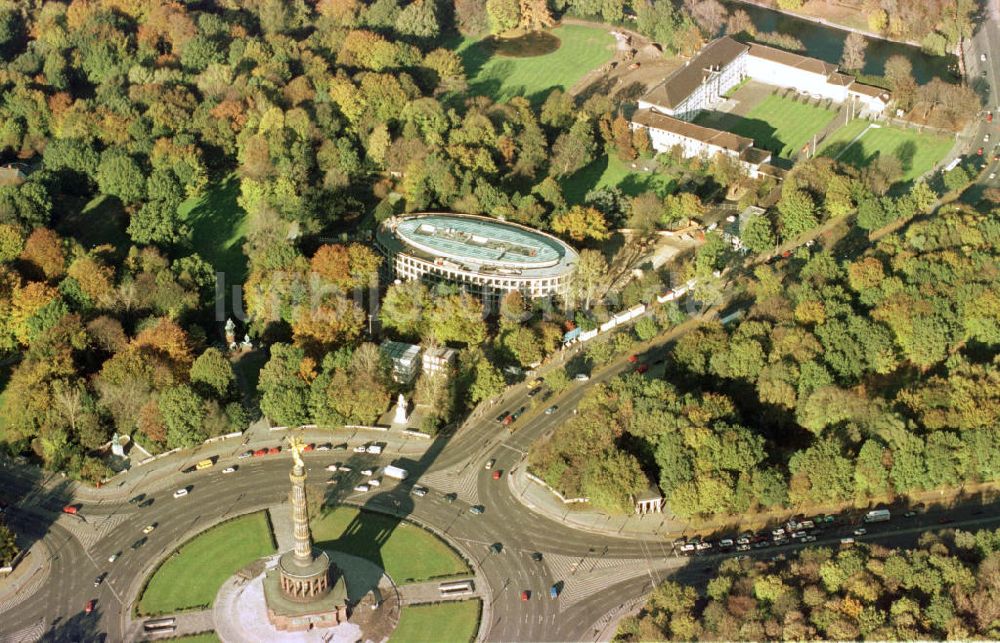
(610, 171)
(581, 50)
(192, 576)
(779, 124)
(441, 623)
(917, 151)
(407, 553)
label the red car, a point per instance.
(525, 595)
(259, 452)
(642, 368)
(274, 451)
(979, 151)
(71, 509)
(989, 117)
(632, 359)
(308, 447)
(89, 607)
(496, 474)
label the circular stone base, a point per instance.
(240, 612)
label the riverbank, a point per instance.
(825, 21)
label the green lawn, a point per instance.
(779, 124)
(441, 623)
(406, 552)
(204, 637)
(917, 151)
(219, 226)
(192, 576)
(582, 49)
(610, 171)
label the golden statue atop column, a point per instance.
(299, 594)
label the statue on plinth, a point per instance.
(400, 417)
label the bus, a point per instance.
(160, 625)
(204, 464)
(878, 515)
(458, 588)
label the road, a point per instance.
(983, 65)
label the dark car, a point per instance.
(89, 607)
(642, 368)
(451, 497)
(137, 499)
(518, 413)
(537, 557)
(535, 391)
(139, 543)
(100, 578)
(145, 503)
(503, 416)
(496, 548)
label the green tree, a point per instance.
(796, 212)
(284, 386)
(758, 235)
(580, 222)
(573, 149)
(183, 412)
(481, 378)
(8, 545)
(612, 481)
(504, 15)
(118, 174)
(419, 18)
(457, 318)
(213, 373)
(557, 380)
(405, 308)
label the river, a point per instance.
(827, 43)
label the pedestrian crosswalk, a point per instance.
(28, 634)
(582, 577)
(462, 481)
(89, 532)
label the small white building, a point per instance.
(439, 360)
(649, 502)
(404, 359)
(666, 132)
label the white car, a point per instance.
(148, 529)
(344, 468)
(359, 449)
(366, 472)
(374, 482)
(374, 448)
(324, 447)
(361, 487)
(861, 531)
(986, 138)
(332, 467)
(993, 175)
(113, 557)
(581, 377)
(229, 470)
(420, 492)
(490, 463)
(180, 493)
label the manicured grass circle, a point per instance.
(191, 577)
(405, 551)
(441, 623)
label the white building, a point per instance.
(439, 360)
(404, 359)
(485, 256)
(666, 132)
(719, 67)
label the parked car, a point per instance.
(490, 463)
(259, 453)
(361, 487)
(274, 451)
(359, 449)
(476, 510)
(100, 578)
(633, 359)
(503, 416)
(374, 482)
(366, 472)
(860, 531)
(89, 607)
(554, 591)
(309, 447)
(245, 455)
(326, 446)
(535, 391)
(229, 470)
(113, 557)
(420, 492)
(642, 368)
(344, 468)
(537, 556)
(552, 409)
(496, 548)
(497, 474)
(581, 377)
(331, 467)
(374, 448)
(525, 594)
